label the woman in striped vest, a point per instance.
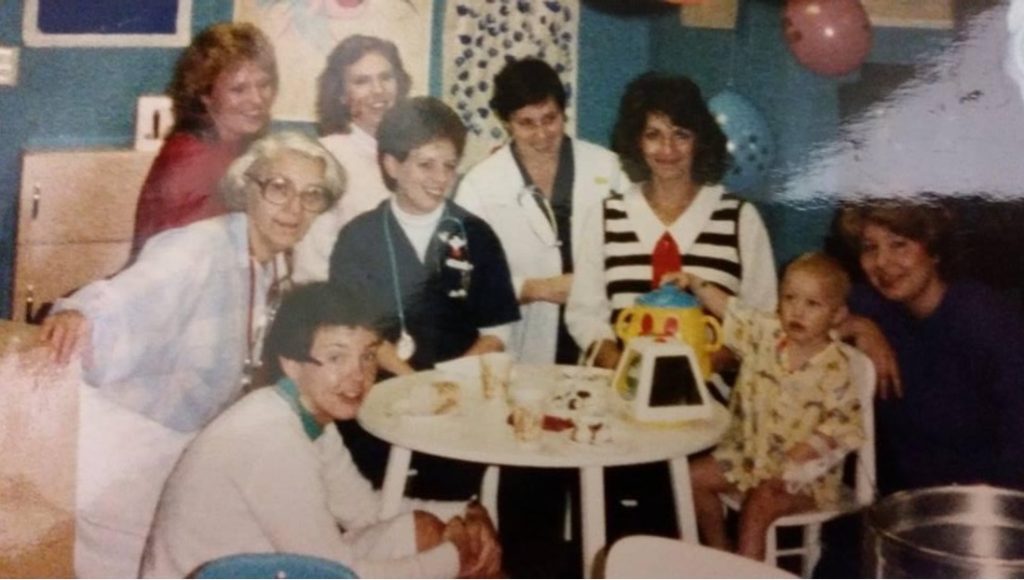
(676, 215)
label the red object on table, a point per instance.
(665, 258)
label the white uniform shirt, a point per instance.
(495, 191)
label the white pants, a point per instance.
(387, 540)
(123, 461)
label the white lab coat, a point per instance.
(494, 190)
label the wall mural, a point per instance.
(481, 36)
(304, 33)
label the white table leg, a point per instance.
(394, 481)
(489, 492)
(682, 490)
(592, 514)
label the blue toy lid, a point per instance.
(668, 296)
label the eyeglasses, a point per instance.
(369, 357)
(279, 190)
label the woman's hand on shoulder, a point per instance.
(64, 333)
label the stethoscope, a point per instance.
(406, 346)
(537, 200)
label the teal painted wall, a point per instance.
(81, 98)
(800, 106)
(72, 98)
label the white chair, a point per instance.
(851, 500)
(656, 557)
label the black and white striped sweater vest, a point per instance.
(714, 255)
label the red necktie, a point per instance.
(665, 258)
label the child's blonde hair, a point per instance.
(826, 269)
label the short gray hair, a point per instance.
(232, 185)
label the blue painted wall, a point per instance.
(80, 98)
(801, 107)
(72, 98)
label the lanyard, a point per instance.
(254, 338)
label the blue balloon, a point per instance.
(750, 144)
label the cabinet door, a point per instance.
(45, 272)
(80, 196)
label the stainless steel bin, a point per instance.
(946, 532)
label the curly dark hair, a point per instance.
(679, 99)
(413, 123)
(332, 116)
(525, 82)
(213, 51)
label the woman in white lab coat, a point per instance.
(533, 192)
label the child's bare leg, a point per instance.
(708, 481)
(763, 505)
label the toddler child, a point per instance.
(795, 412)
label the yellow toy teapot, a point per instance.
(668, 311)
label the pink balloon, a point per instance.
(830, 37)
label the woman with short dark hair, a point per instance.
(534, 191)
(272, 474)
(435, 273)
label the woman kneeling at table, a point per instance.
(168, 339)
(272, 474)
(435, 273)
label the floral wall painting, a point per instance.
(480, 36)
(113, 23)
(305, 32)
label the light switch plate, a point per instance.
(154, 118)
(8, 65)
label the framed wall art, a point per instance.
(107, 23)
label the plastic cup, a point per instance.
(528, 406)
(495, 374)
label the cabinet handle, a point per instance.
(35, 201)
(30, 301)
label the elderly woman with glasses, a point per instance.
(167, 343)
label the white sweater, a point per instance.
(253, 482)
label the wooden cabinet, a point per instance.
(76, 215)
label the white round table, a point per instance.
(478, 431)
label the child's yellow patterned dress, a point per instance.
(774, 409)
